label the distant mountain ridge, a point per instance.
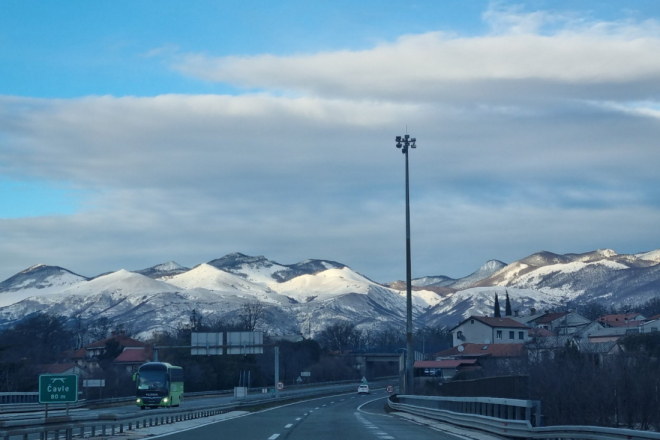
(311, 294)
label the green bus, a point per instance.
(159, 385)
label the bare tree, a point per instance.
(251, 314)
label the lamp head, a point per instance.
(398, 139)
(399, 145)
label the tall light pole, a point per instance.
(405, 142)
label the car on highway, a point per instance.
(363, 389)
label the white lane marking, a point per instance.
(298, 418)
(311, 411)
(359, 408)
(273, 437)
(381, 433)
(316, 407)
(331, 403)
(305, 414)
(242, 415)
(289, 425)
(386, 437)
(341, 400)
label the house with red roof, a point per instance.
(488, 330)
(622, 320)
(479, 351)
(132, 352)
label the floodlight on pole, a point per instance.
(404, 143)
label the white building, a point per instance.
(487, 330)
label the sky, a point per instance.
(135, 133)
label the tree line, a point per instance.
(45, 339)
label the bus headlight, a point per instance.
(165, 400)
(139, 400)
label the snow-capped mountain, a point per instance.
(482, 273)
(602, 275)
(207, 277)
(162, 271)
(262, 270)
(480, 301)
(437, 280)
(38, 280)
(306, 296)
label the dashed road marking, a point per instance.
(273, 437)
(298, 418)
(289, 425)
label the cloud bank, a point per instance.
(541, 134)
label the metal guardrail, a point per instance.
(112, 424)
(502, 417)
(19, 397)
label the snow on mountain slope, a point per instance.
(208, 277)
(650, 256)
(438, 280)
(331, 283)
(480, 301)
(262, 270)
(211, 278)
(542, 279)
(38, 280)
(121, 282)
(323, 285)
(423, 298)
(482, 273)
(256, 269)
(163, 271)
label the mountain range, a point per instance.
(307, 296)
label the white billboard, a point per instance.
(239, 342)
(206, 343)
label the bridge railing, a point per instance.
(510, 418)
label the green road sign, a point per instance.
(58, 388)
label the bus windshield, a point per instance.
(152, 380)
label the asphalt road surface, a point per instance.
(344, 417)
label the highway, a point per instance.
(345, 417)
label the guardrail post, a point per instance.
(112, 429)
(537, 410)
(93, 431)
(69, 433)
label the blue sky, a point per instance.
(133, 123)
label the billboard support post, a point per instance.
(277, 371)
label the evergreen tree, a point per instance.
(507, 311)
(498, 313)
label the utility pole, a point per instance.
(405, 142)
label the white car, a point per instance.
(363, 389)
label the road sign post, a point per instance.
(58, 388)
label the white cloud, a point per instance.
(518, 62)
